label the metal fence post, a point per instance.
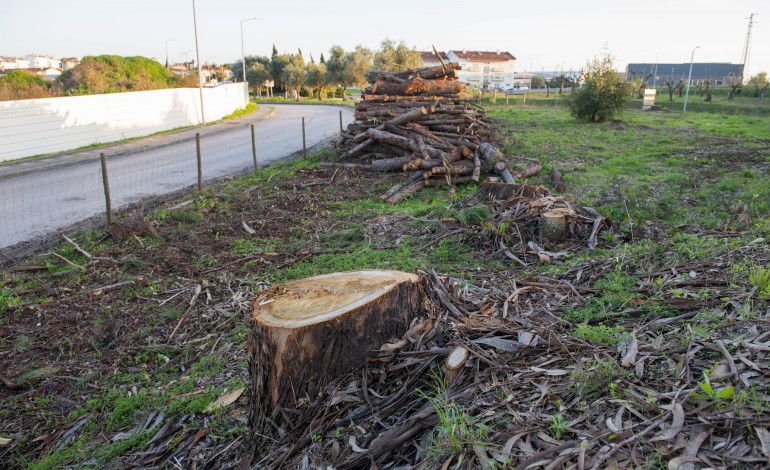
(304, 144)
(254, 149)
(200, 164)
(106, 182)
(341, 121)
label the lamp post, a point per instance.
(170, 40)
(689, 78)
(243, 56)
(198, 59)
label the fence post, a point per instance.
(106, 182)
(506, 98)
(304, 144)
(341, 121)
(200, 164)
(254, 149)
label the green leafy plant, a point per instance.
(558, 425)
(708, 392)
(760, 278)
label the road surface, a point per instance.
(39, 203)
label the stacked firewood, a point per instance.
(421, 122)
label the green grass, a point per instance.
(671, 167)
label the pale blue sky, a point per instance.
(546, 34)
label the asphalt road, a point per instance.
(38, 202)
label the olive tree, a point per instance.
(394, 57)
(603, 93)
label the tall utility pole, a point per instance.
(689, 79)
(243, 56)
(198, 59)
(747, 49)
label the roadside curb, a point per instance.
(55, 161)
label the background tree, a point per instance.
(603, 94)
(294, 74)
(561, 80)
(760, 83)
(394, 57)
(638, 83)
(257, 73)
(673, 85)
(736, 83)
(316, 78)
(537, 81)
(575, 80)
(335, 68)
(357, 64)
(278, 63)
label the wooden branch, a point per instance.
(406, 191)
(396, 188)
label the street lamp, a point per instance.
(170, 40)
(198, 59)
(243, 56)
(689, 78)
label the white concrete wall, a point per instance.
(35, 127)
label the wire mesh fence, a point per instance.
(35, 208)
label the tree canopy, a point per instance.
(394, 57)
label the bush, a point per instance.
(603, 93)
(22, 85)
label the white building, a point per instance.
(42, 62)
(485, 70)
(13, 63)
(69, 62)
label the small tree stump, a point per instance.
(307, 333)
(454, 363)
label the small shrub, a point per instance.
(603, 93)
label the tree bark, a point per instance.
(418, 86)
(307, 333)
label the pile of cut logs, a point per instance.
(420, 121)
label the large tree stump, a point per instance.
(307, 333)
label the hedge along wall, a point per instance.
(42, 126)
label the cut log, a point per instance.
(554, 225)
(418, 86)
(501, 168)
(530, 171)
(454, 363)
(306, 333)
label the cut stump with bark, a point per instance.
(306, 333)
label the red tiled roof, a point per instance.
(484, 56)
(431, 56)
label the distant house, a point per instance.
(485, 70)
(69, 62)
(430, 59)
(42, 62)
(717, 73)
(13, 63)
